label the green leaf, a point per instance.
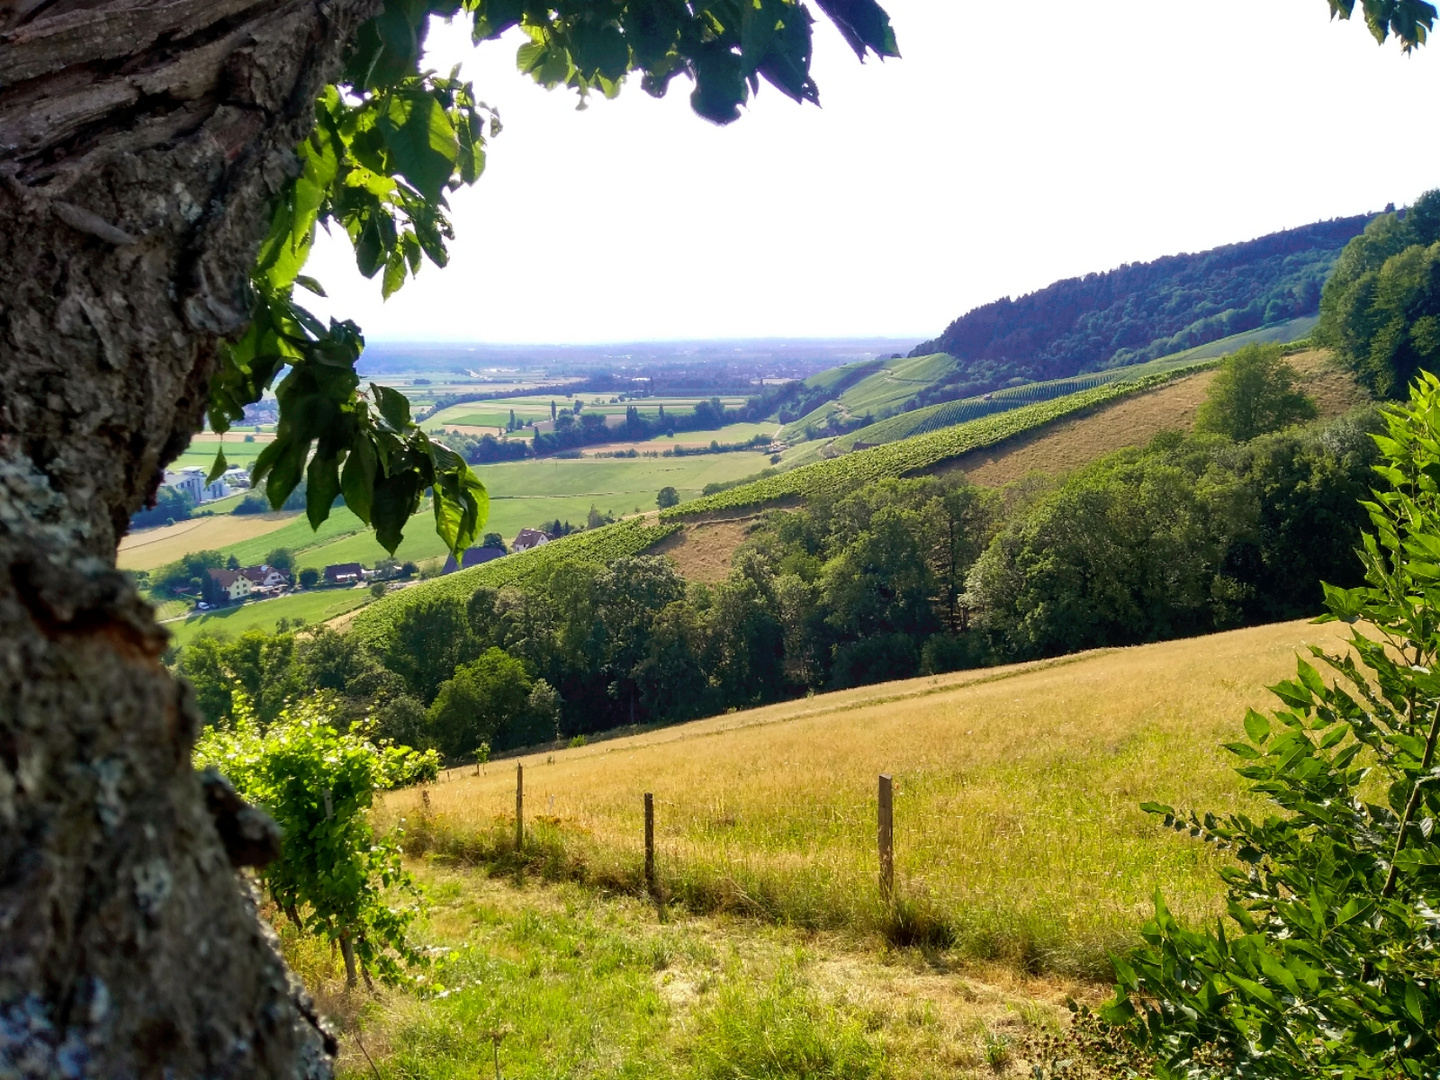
(357, 479)
(393, 405)
(395, 499)
(322, 486)
(1257, 727)
(217, 469)
(421, 141)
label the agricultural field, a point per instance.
(201, 451)
(147, 549)
(1134, 420)
(313, 606)
(884, 390)
(910, 455)
(526, 493)
(494, 414)
(1018, 834)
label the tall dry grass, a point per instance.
(1018, 833)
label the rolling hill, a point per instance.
(1142, 311)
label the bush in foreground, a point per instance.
(333, 874)
(1328, 966)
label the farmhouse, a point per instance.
(345, 573)
(472, 557)
(234, 584)
(526, 539)
(265, 578)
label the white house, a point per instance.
(191, 480)
(265, 578)
(234, 583)
(526, 539)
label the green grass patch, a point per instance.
(314, 606)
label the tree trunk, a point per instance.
(142, 143)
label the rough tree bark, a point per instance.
(141, 145)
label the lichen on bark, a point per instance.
(142, 143)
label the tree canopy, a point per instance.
(1381, 308)
(1252, 393)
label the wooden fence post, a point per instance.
(650, 842)
(887, 839)
(519, 805)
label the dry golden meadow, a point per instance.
(1018, 833)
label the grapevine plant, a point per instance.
(334, 878)
(1329, 963)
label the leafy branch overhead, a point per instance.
(391, 141)
(1408, 20)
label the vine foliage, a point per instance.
(334, 878)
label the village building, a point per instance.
(526, 539)
(346, 573)
(265, 578)
(232, 585)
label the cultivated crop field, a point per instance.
(1018, 833)
(1135, 420)
(496, 413)
(147, 549)
(526, 493)
(912, 455)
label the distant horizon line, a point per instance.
(619, 342)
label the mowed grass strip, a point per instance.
(312, 606)
(1018, 832)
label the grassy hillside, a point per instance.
(1018, 833)
(313, 607)
(881, 392)
(910, 455)
(950, 413)
(1134, 421)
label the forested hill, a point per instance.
(1142, 310)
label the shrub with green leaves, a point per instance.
(1328, 965)
(334, 877)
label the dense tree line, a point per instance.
(1184, 536)
(1381, 307)
(1140, 311)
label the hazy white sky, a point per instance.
(1011, 146)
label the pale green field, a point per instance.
(730, 433)
(522, 495)
(497, 412)
(314, 606)
(527, 493)
(1018, 830)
